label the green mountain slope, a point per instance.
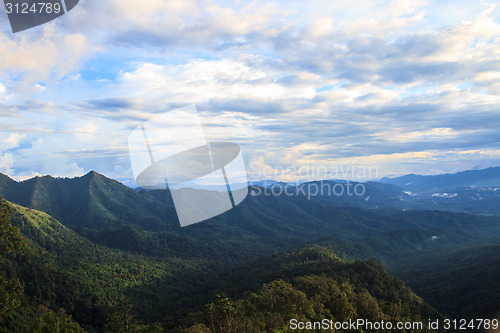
(112, 248)
(111, 214)
(308, 284)
(60, 269)
(92, 201)
(463, 283)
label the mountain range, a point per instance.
(475, 191)
(97, 248)
(439, 183)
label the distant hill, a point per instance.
(424, 184)
(111, 214)
(97, 247)
(344, 193)
(266, 183)
(92, 201)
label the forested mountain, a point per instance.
(111, 214)
(95, 203)
(309, 284)
(438, 183)
(113, 257)
(465, 282)
(60, 269)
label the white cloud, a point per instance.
(201, 80)
(11, 140)
(6, 163)
(319, 82)
(47, 56)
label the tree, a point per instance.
(48, 321)
(120, 321)
(10, 237)
(10, 240)
(10, 292)
(220, 314)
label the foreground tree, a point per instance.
(49, 321)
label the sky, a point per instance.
(317, 89)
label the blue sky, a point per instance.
(400, 86)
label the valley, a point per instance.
(98, 250)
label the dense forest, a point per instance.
(47, 282)
(89, 254)
(314, 285)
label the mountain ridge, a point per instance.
(493, 172)
(428, 183)
(116, 222)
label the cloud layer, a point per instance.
(393, 85)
